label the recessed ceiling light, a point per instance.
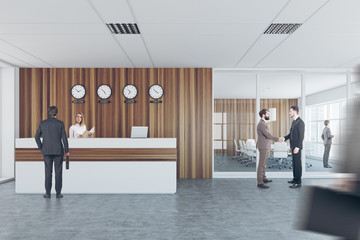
(282, 28)
(123, 28)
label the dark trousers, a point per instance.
(57, 160)
(327, 148)
(297, 168)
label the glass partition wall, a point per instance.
(278, 92)
(240, 95)
(326, 100)
(234, 123)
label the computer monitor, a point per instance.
(139, 132)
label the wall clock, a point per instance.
(78, 91)
(156, 91)
(104, 91)
(130, 91)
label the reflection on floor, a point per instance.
(4, 180)
(201, 209)
(317, 166)
(233, 164)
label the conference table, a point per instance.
(103, 166)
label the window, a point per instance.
(335, 112)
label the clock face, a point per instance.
(104, 91)
(130, 91)
(78, 91)
(156, 91)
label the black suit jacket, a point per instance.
(52, 131)
(296, 134)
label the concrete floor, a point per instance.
(201, 209)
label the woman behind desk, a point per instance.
(79, 127)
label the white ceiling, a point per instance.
(182, 33)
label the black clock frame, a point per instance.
(161, 88)
(104, 85)
(137, 91)
(72, 89)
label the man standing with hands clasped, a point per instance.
(296, 137)
(327, 138)
(263, 145)
(53, 132)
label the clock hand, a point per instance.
(103, 91)
(129, 91)
(156, 91)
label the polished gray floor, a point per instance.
(201, 209)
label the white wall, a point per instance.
(8, 101)
(1, 122)
(331, 94)
(326, 96)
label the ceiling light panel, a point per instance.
(123, 28)
(282, 28)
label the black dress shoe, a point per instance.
(295, 185)
(47, 195)
(262, 186)
(59, 195)
(292, 182)
(267, 180)
(328, 166)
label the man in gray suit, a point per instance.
(327, 138)
(52, 147)
(263, 144)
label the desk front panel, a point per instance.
(104, 154)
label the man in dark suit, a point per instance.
(327, 138)
(263, 144)
(52, 147)
(296, 137)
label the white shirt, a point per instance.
(76, 130)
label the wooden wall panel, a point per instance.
(281, 126)
(185, 113)
(241, 119)
(204, 136)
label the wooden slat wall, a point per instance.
(281, 126)
(186, 111)
(241, 119)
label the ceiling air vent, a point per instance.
(123, 28)
(282, 28)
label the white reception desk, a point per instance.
(103, 166)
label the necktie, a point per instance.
(292, 125)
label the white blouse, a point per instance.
(76, 130)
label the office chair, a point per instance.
(251, 152)
(238, 150)
(280, 154)
(244, 151)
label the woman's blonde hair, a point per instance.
(82, 118)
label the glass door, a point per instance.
(234, 122)
(279, 92)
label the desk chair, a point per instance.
(244, 152)
(280, 154)
(251, 152)
(238, 150)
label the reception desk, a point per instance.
(103, 166)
